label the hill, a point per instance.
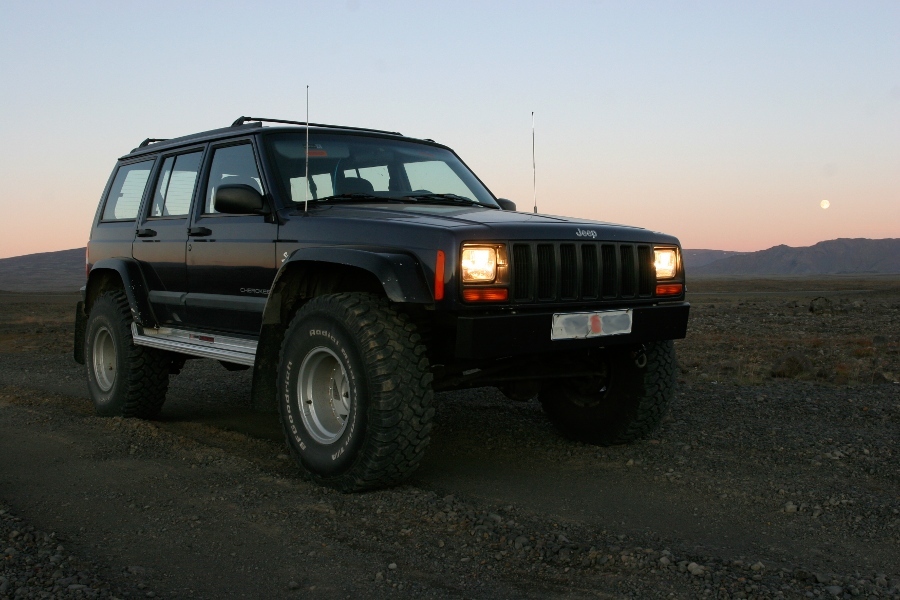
(61, 271)
(697, 258)
(832, 257)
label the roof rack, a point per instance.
(241, 120)
(149, 141)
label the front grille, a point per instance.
(583, 271)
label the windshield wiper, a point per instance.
(445, 199)
(362, 196)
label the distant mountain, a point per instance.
(833, 257)
(61, 271)
(698, 258)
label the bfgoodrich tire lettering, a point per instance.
(625, 402)
(354, 392)
(123, 379)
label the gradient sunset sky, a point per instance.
(723, 123)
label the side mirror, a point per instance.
(239, 199)
(506, 204)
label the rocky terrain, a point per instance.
(775, 475)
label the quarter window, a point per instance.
(124, 198)
(175, 186)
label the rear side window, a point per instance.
(175, 186)
(124, 198)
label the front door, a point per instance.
(230, 258)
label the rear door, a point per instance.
(162, 234)
(230, 258)
(113, 233)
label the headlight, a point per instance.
(665, 261)
(479, 264)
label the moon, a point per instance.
(824, 204)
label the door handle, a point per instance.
(198, 231)
(146, 233)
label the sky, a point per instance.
(725, 124)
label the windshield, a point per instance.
(351, 168)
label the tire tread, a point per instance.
(146, 370)
(399, 382)
(646, 408)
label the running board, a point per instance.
(218, 347)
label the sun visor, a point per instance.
(294, 149)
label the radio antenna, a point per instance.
(533, 165)
(306, 187)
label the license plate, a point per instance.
(577, 326)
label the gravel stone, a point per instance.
(747, 445)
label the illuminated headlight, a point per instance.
(479, 264)
(665, 261)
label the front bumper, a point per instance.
(497, 336)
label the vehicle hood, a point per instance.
(488, 223)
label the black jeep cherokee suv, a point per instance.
(388, 273)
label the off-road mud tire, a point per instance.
(141, 379)
(630, 407)
(389, 383)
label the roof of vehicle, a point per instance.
(245, 125)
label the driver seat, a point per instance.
(354, 185)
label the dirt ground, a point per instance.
(775, 475)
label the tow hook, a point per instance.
(640, 357)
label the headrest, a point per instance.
(355, 185)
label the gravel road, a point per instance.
(756, 486)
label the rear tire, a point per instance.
(123, 379)
(354, 392)
(624, 402)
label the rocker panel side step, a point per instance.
(218, 347)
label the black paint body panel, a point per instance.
(490, 336)
(226, 275)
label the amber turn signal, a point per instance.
(669, 289)
(439, 276)
(486, 295)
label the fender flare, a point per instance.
(400, 274)
(136, 288)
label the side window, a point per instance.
(125, 195)
(231, 165)
(175, 185)
(377, 176)
(436, 177)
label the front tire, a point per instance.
(624, 402)
(123, 379)
(354, 392)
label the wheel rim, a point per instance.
(323, 395)
(104, 359)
